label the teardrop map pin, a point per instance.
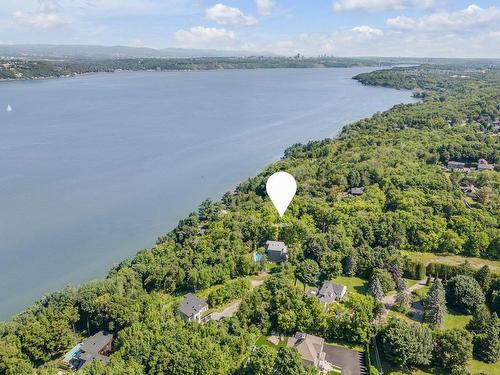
(281, 188)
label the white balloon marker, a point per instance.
(281, 188)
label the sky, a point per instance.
(414, 28)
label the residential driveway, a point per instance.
(417, 309)
(227, 312)
(351, 361)
(388, 301)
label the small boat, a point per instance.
(9, 108)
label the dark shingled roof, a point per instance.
(191, 305)
(94, 344)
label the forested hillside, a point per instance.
(50, 67)
(411, 203)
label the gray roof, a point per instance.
(276, 246)
(94, 344)
(356, 190)
(310, 347)
(192, 305)
(329, 292)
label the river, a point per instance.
(94, 168)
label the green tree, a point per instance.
(307, 272)
(453, 349)
(487, 344)
(330, 264)
(464, 294)
(262, 361)
(376, 289)
(484, 278)
(385, 279)
(435, 305)
(406, 344)
(403, 298)
(288, 362)
(480, 320)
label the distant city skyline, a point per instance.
(413, 28)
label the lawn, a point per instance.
(262, 340)
(475, 367)
(353, 284)
(453, 319)
(422, 292)
(476, 263)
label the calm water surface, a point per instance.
(94, 168)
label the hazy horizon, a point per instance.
(347, 28)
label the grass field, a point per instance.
(453, 319)
(476, 263)
(475, 368)
(353, 284)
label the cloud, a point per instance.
(225, 15)
(471, 17)
(205, 37)
(371, 5)
(48, 15)
(265, 7)
(367, 31)
(39, 20)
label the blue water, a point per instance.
(94, 168)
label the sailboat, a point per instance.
(9, 108)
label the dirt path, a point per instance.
(231, 309)
(227, 312)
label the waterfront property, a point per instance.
(193, 307)
(276, 251)
(98, 346)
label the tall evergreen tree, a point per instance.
(403, 300)
(483, 277)
(376, 289)
(435, 306)
(487, 345)
(480, 320)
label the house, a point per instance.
(97, 346)
(192, 308)
(356, 191)
(276, 251)
(456, 166)
(483, 165)
(329, 292)
(310, 348)
(469, 190)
